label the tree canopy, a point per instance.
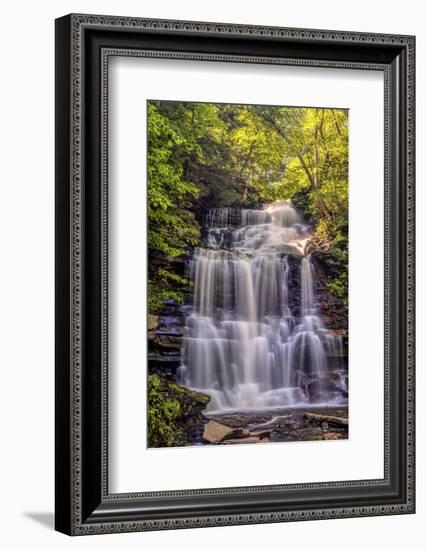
(205, 155)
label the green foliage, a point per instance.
(171, 410)
(334, 239)
(158, 295)
(172, 226)
(339, 286)
(211, 155)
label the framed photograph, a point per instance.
(234, 274)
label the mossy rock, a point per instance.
(174, 413)
(152, 321)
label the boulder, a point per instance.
(215, 433)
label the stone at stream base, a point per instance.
(280, 426)
(306, 434)
(165, 334)
(214, 432)
(261, 434)
(332, 436)
(241, 440)
(331, 420)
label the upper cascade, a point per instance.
(276, 228)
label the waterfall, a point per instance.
(243, 344)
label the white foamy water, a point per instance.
(243, 345)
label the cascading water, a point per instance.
(243, 345)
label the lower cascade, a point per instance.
(245, 345)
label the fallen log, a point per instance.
(333, 420)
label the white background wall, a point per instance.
(26, 289)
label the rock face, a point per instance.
(334, 310)
(165, 334)
(174, 413)
(215, 433)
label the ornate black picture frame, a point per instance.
(84, 44)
